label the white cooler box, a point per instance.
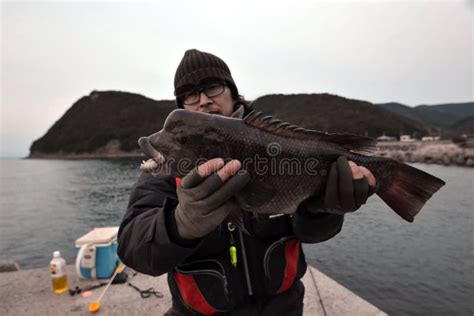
(97, 257)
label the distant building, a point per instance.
(384, 138)
(406, 138)
(427, 138)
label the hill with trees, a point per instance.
(109, 123)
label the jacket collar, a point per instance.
(239, 112)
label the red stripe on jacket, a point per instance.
(292, 253)
(191, 294)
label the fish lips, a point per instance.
(150, 151)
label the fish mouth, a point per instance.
(156, 160)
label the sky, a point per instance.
(53, 53)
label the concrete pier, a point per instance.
(28, 292)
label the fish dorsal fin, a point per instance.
(277, 127)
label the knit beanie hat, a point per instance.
(196, 66)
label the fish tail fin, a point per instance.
(408, 190)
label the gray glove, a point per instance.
(204, 202)
(343, 194)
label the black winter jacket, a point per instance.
(202, 279)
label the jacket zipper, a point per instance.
(270, 249)
(200, 261)
(244, 256)
(231, 228)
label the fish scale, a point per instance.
(292, 188)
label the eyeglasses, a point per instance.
(211, 90)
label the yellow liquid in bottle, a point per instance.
(60, 285)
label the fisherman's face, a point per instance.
(214, 98)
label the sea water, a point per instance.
(420, 268)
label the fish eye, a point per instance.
(181, 139)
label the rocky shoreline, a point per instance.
(442, 152)
(109, 151)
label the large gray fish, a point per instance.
(287, 163)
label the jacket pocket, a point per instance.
(203, 286)
(283, 263)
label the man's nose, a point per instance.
(204, 100)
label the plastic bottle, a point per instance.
(57, 267)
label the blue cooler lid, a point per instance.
(101, 235)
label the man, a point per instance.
(212, 266)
